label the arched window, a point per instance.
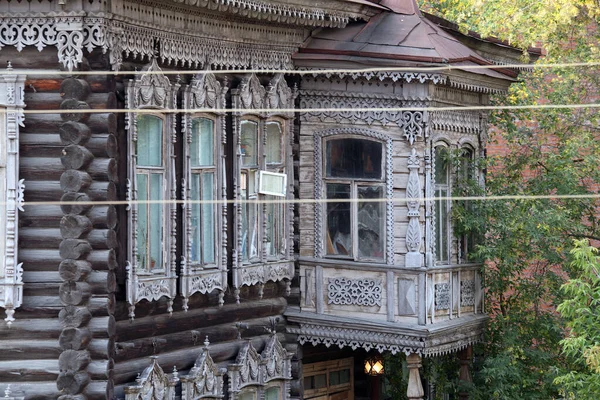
(354, 189)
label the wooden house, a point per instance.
(196, 206)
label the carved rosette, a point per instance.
(153, 383)
(152, 91)
(360, 292)
(11, 271)
(413, 202)
(204, 94)
(205, 379)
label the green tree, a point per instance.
(581, 310)
(526, 242)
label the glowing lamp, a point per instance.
(374, 366)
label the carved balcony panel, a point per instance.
(409, 309)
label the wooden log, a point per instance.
(40, 216)
(53, 102)
(101, 83)
(49, 306)
(75, 181)
(98, 369)
(73, 226)
(196, 318)
(103, 169)
(102, 191)
(103, 260)
(103, 145)
(73, 397)
(103, 239)
(76, 157)
(39, 238)
(32, 370)
(76, 203)
(34, 144)
(51, 122)
(32, 328)
(74, 293)
(41, 289)
(72, 88)
(41, 277)
(74, 270)
(74, 338)
(72, 104)
(100, 390)
(43, 390)
(74, 317)
(103, 217)
(74, 360)
(74, 248)
(29, 349)
(72, 382)
(74, 133)
(40, 259)
(102, 348)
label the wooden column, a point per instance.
(415, 388)
(465, 356)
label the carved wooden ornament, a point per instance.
(205, 380)
(153, 384)
(153, 92)
(12, 189)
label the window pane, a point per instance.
(208, 219)
(273, 150)
(354, 158)
(334, 378)
(149, 141)
(275, 223)
(344, 376)
(441, 225)
(156, 218)
(201, 152)
(249, 142)
(142, 224)
(247, 396)
(339, 238)
(441, 165)
(371, 222)
(320, 381)
(249, 215)
(195, 237)
(272, 393)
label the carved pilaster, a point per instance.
(11, 118)
(413, 202)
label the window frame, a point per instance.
(321, 180)
(11, 119)
(204, 92)
(263, 106)
(326, 368)
(152, 93)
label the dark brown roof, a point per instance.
(401, 36)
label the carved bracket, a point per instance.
(11, 118)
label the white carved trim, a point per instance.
(11, 118)
(204, 91)
(246, 371)
(413, 202)
(153, 383)
(70, 33)
(394, 76)
(152, 91)
(205, 379)
(319, 224)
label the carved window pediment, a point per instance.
(246, 371)
(277, 361)
(151, 265)
(252, 95)
(205, 380)
(153, 384)
(12, 189)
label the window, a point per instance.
(151, 188)
(467, 181)
(11, 191)
(262, 157)
(442, 204)
(203, 269)
(329, 379)
(354, 169)
(273, 393)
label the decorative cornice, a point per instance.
(369, 339)
(394, 76)
(276, 13)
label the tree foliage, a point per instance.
(527, 241)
